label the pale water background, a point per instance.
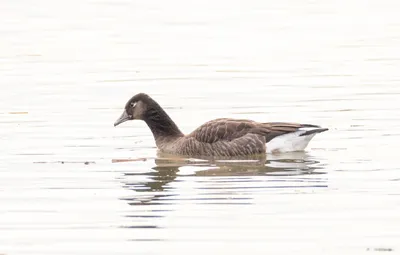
(68, 67)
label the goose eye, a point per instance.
(133, 104)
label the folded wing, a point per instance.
(231, 129)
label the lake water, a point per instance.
(71, 183)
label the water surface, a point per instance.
(71, 183)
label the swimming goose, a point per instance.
(220, 137)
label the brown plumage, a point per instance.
(220, 137)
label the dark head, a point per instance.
(143, 107)
(135, 108)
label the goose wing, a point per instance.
(222, 130)
(230, 129)
(270, 130)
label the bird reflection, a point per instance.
(155, 191)
(168, 167)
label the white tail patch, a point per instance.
(290, 142)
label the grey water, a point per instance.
(71, 183)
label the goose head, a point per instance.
(135, 108)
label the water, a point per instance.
(71, 183)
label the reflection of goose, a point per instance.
(215, 181)
(168, 167)
(297, 163)
(219, 137)
(159, 178)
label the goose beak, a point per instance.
(124, 117)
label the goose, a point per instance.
(223, 137)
